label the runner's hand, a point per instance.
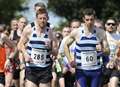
(7, 64)
(27, 57)
(22, 66)
(110, 65)
(72, 63)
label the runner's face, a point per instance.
(89, 20)
(110, 25)
(14, 25)
(22, 23)
(42, 20)
(66, 31)
(75, 25)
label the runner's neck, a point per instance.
(88, 31)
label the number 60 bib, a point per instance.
(89, 58)
(38, 56)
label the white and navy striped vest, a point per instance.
(36, 42)
(86, 44)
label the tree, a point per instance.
(8, 9)
(72, 8)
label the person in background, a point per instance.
(56, 76)
(22, 22)
(6, 67)
(15, 38)
(114, 43)
(61, 74)
(14, 27)
(99, 23)
(68, 71)
(39, 5)
(118, 26)
(75, 23)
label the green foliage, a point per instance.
(8, 9)
(61, 25)
(72, 8)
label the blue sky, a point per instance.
(30, 14)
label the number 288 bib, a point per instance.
(89, 58)
(38, 56)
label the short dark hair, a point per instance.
(74, 20)
(41, 11)
(111, 18)
(89, 11)
(40, 4)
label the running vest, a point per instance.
(85, 52)
(39, 53)
(113, 46)
(33, 24)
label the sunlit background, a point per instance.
(30, 14)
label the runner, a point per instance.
(15, 38)
(68, 71)
(5, 64)
(62, 69)
(88, 65)
(55, 78)
(22, 22)
(114, 43)
(37, 6)
(40, 44)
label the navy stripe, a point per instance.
(79, 64)
(48, 50)
(34, 35)
(77, 50)
(46, 36)
(37, 42)
(86, 38)
(94, 31)
(86, 45)
(47, 29)
(48, 56)
(32, 24)
(29, 48)
(78, 57)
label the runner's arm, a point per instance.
(54, 43)
(10, 44)
(105, 46)
(24, 39)
(68, 42)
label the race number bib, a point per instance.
(38, 56)
(89, 58)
